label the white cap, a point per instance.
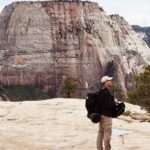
(106, 78)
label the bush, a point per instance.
(127, 113)
(118, 92)
(20, 93)
(141, 94)
(68, 86)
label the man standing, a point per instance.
(106, 105)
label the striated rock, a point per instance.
(42, 42)
(145, 31)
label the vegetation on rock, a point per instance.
(68, 86)
(21, 93)
(141, 94)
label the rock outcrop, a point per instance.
(145, 31)
(42, 42)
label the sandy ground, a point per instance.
(61, 124)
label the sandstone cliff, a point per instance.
(143, 30)
(42, 42)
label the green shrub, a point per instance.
(28, 92)
(141, 94)
(118, 93)
(68, 86)
(127, 113)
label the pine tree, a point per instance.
(118, 92)
(68, 86)
(141, 94)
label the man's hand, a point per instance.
(117, 101)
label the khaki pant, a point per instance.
(104, 133)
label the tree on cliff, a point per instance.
(118, 92)
(68, 86)
(141, 94)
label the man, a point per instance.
(105, 109)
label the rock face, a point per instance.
(145, 31)
(42, 42)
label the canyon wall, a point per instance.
(43, 42)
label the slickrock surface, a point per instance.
(61, 124)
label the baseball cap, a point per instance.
(106, 78)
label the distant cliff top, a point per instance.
(51, 1)
(145, 30)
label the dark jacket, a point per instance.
(105, 103)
